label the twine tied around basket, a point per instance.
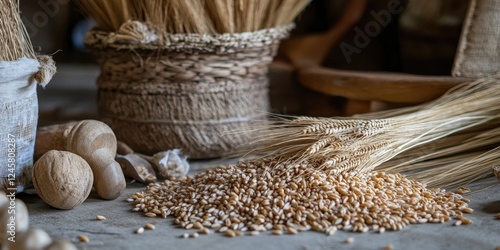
(135, 35)
(46, 70)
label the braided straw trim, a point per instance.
(185, 96)
(134, 35)
(143, 67)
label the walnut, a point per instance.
(62, 179)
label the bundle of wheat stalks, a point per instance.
(450, 141)
(14, 39)
(194, 16)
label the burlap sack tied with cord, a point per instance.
(187, 91)
(19, 117)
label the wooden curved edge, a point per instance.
(379, 86)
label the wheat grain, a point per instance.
(83, 238)
(100, 217)
(257, 196)
(139, 230)
(349, 240)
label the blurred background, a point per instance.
(422, 39)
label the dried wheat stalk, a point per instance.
(452, 161)
(14, 39)
(194, 16)
(363, 144)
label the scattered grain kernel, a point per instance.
(194, 235)
(100, 217)
(254, 233)
(466, 221)
(149, 226)
(349, 240)
(467, 210)
(498, 216)
(83, 238)
(277, 232)
(292, 230)
(197, 225)
(381, 230)
(458, 223)
(238, 233)
(388, 247)
(230, 233)
(205, 231)
(139, 230)
(150, 214)
(185, 236)
(331, 231)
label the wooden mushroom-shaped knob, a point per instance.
(95, 142)
(62, 179)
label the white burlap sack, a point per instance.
(18, 122)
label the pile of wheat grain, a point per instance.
(268, 195)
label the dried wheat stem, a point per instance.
(363, 144)
(194, 16)
(14, 39)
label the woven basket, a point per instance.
(187, 91)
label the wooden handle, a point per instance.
(51, 138)
(388, 87)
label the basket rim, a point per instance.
(135, 35)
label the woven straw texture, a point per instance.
(187, 94)
(478, 53)
(18, 116)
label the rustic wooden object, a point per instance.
(382, 86)
(311, 50)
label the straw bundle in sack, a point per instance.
(19, 69)
(458, 122)
(179, 74)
